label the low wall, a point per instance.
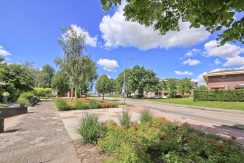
(13, 111)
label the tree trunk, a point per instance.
(72, 93)
(103, 96)
(75, 92)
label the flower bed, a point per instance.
(158, 140)
(81, 103)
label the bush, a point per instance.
(125, 119)
(219, 95)
(90, 128)
(6, 94)
(93, 104)
(145, 116)
(79, 104)
(27, 98)
(22, 101)
(162, 141)
(43, 92)
(61, 104)
(27, 95)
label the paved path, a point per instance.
(39, 137)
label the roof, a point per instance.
(223, 72)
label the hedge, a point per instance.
(219, 95)
(43, 92)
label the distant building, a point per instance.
(228, 79)
(166, 93)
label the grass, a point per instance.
(214, 104)
(3, 105)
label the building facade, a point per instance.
(228, 79)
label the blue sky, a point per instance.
(29, 31)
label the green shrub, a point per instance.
(79, 104)
(26, 98)
(125, 119)
(145, 116)
(219, 95)
(43, 92)
(61, 104)
(22, 101)
(130, 153)
(27, 95)
(162, 141)
(6, 94)
(90, 128)
(93, 104)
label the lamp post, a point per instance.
(124, 83)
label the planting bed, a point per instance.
(82, 103)
(158, 140)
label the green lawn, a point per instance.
(3, 105)
(214, 104)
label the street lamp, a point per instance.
(124, 84)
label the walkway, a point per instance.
(39, 137)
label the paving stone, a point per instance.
(39, 137)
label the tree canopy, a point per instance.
(103, 85)
(185, 86)
(165, 15)
(44, 77)
(17, 78)
(79, 67)
(60, 82)
(139, 79)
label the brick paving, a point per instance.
(39, 137)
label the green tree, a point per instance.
(44, 77)
(165, 15)
(202, 88)
(18, 78)
(120, 81)
(140, 80)
(103, 85)
(43, 80)
(161, 86)
(80, 68)
(171, 84)
(60, 82)
(113, 86)
(185, 86)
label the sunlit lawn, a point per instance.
(215, 104)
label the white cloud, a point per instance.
(217, 61)
(108, 65)
(191, 62)
(228, 51)
(225, 51)
(3, 52)
(91, 41)
(193, 52)
(183, 73)
(117, 32)
(235, 61)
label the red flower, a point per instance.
(210, 141)
(233, 137)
